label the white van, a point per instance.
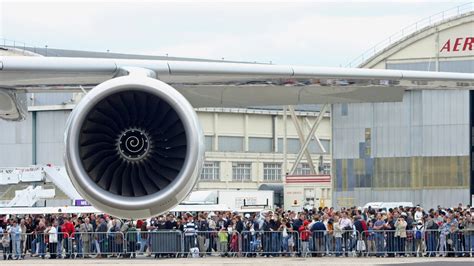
(387, 205)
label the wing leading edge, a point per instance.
(209, 84)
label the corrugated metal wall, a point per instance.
(15, 143)
(16, 139)
(415, 150)
(426, 123)
(50, 136)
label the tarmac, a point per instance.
(250, 261)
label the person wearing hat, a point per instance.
(419, 236)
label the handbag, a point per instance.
(285, 232)
(360, 245)
(291, 242)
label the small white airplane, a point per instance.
(134, 146)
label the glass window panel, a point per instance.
(231, 144)
(210, 171)
(241, 171)
(260, 144)
(272, 171)
(209, 140)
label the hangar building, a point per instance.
(418, 150)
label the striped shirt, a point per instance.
(190, 229)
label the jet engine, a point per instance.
(134, 147)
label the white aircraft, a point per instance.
(134, 146)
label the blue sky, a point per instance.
(321, 33)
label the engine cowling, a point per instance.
(134, 147)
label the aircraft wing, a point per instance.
(218, 84)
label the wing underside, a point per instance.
(211, 84)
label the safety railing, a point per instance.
(317, 243)
(98, 244)
(284, 242)
(444, 241)
(159, 243)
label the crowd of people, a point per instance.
(402, 231)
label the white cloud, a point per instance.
(306, 40)
(303, 33)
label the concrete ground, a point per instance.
(250, 261)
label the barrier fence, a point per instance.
(174, 243)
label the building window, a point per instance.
(210, 171)
(344, 109)
(231, 144)
(272, 171)
(241, 171)
(303, 169)
(326, 169)
(209, 143)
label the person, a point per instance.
(23, 238)
(223, 241)
(419, 236)
(445, 229)
(418, 214)
(296, 227)
(132, 239)
(52, 239)
(329, 238)
(285, 236)
(6, 245)
(85, 235)
(338, 236)
(68, 230)
(190, 234)
(318, 231)
(468, 229)
(203, 235)
(77, 240)
(400, 235)
(371, 250)
(346, 225)
(101, 238)
(361, 231)
(432, 234)
(234, 241)
(15, 236)
(379, 235)
(266, 236)
(304, 236)
(389, 228)
(41, 239)
(61, 237)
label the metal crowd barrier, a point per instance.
(269, 243)
(46, 244)
(383, 243)
(98, 244)
(160, 243)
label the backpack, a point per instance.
(418, 234)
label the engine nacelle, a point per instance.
(134, 147)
